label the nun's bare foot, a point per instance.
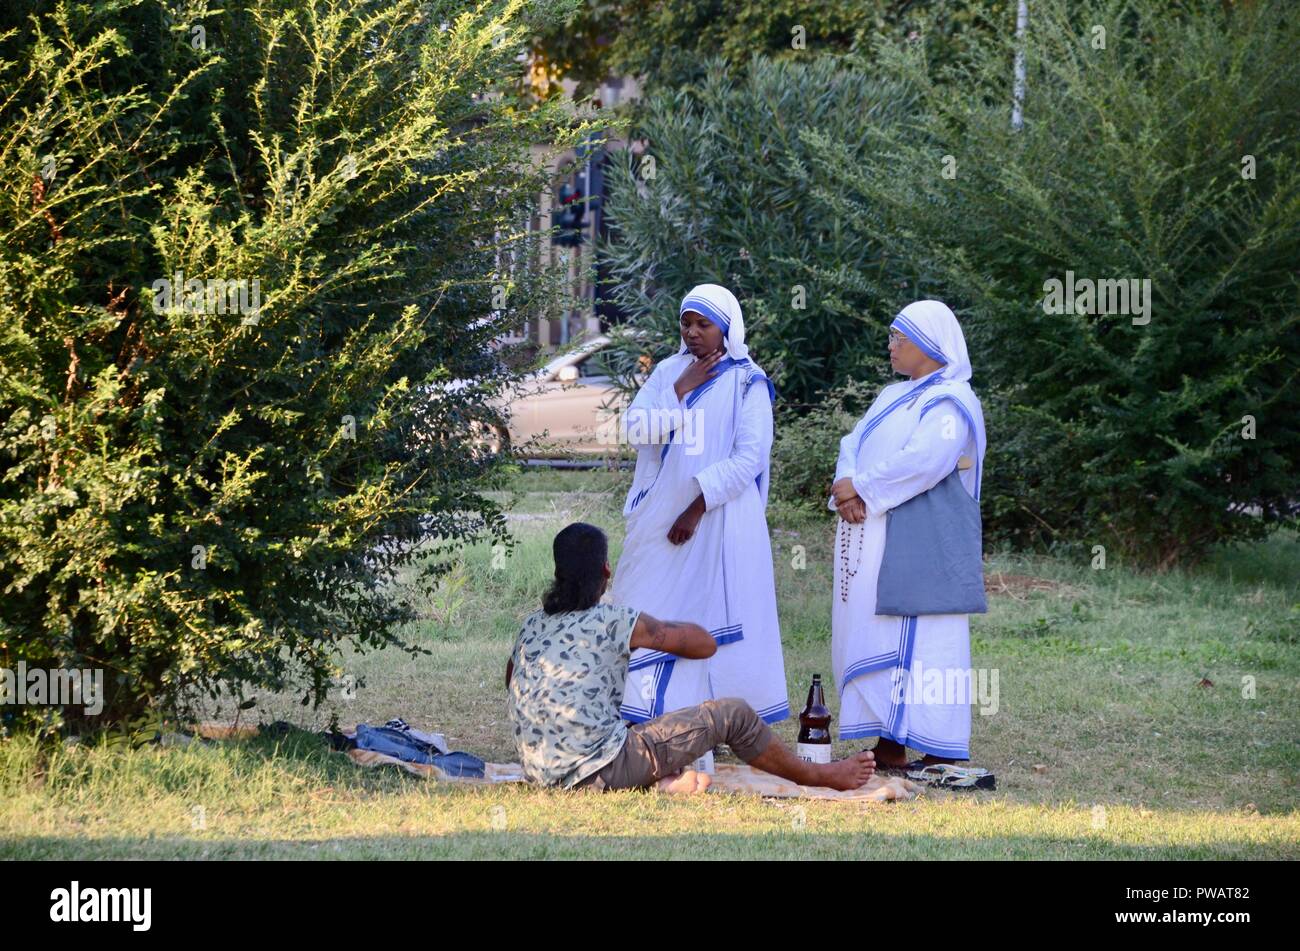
(890, 755)
(928, 760)
(685, 783)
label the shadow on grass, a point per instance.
(521, 845)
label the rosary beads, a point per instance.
(845, 574)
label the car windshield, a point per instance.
(593, 367)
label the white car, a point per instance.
(568, 406)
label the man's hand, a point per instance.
(843, 490)
(853, 510)
(701, 371)
(687, 522)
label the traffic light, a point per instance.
(568, 219)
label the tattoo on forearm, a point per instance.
(659, 632)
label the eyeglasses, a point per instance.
(895, 336)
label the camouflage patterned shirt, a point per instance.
(566, 691)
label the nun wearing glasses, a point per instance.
(697, 544)
(917, 453)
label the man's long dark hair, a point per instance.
(580, 554)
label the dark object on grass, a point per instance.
(948, 776)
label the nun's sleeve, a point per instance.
(847, 464)
(927, 458)
(727, 478)
(655, 410)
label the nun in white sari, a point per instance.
(913, 436)
(697, 546)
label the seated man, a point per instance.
(565, 681)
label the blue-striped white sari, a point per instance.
(721, 578)
(907, 442)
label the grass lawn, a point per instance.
(1107, 741)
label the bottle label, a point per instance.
(814, 752)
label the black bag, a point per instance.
(933, 560)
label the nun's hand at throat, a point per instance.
(698, 373)
(687, 522)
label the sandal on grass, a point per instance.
(947, 776)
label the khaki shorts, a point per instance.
(665, 745)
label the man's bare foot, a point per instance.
(685, 783)
(850, 773)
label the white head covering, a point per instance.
(719, 305)
(933, 327)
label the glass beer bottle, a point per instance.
(814, 744)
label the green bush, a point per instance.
(666, 43)
(728, 201)
(1131, 431)
(807, 445)
(873, 186)
(192, 497)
